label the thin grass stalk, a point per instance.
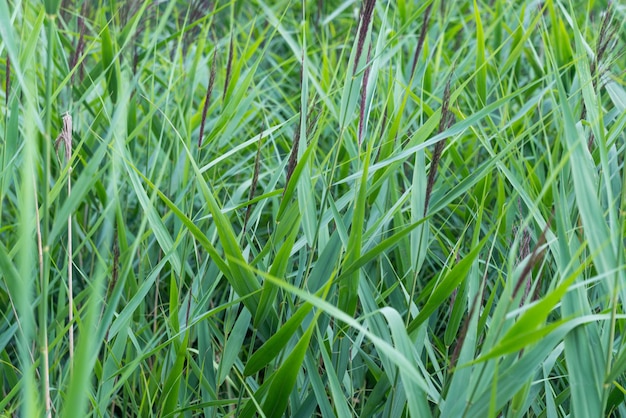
(80, 44)
(65, 137)
(364, 22)
(45, 276)
(207, 99)
(24, 277)
(255, 179)
(524, 249)
(364, 96)
(605, 38)
(463, 330)
(7, 83)
(535, 257)
(229, 65)
(114, 274)
(444, 123)
(366, 18)
(420, 40)
(40, 258)
(319, 11)
(478, 298)
(293, 157)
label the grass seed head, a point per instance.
(364, 97)
(229, 65)
(445, 122)
(420, 41)
(366, 18)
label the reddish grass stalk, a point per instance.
(207, 99)
(80, 45)
(420, 41)
(255, 179)
(293, 157)
(444, 123)
(366, 76)
(535, 257)
(229, 65)
(366, 18)
(463, 333)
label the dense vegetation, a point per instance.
(312, 208)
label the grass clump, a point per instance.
(341, 208)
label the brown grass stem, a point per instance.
(207, 98)
(366, 76)
(420, 40)
(366, 18)
(444, 123)
(229, 65)
(255, 179)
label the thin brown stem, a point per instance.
(207, 99)
(255, 179)
(420, 41)
(229, 65)
(444, 123)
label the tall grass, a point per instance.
(307, 208)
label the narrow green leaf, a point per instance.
(446, 286)
(348, 288)
(233, 345)
(481, 68)
(272, 347)
(171, 385)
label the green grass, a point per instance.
(313, 208)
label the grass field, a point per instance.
(312, 208)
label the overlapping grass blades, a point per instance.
(313, 208)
